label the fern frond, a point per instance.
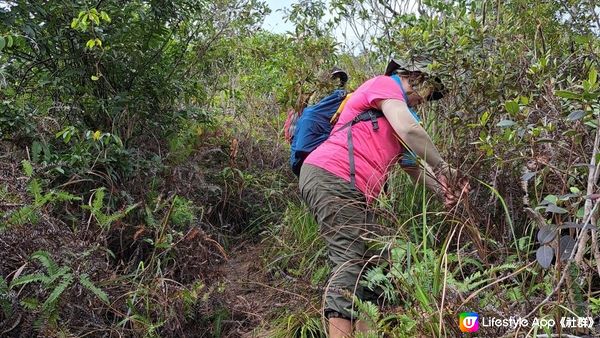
(57, 292)
(98, 201)
(366, 311)
(59, 273)
(479, 278)
(502, 267)
(23, 215)
(5, 302)
(46, 260)
(30, 303)
(3, 285)
(35, 189)
(24, 280)
(84, 279)
(63, 196)
(27, 168)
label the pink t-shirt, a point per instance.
(375, 151)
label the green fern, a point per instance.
(482, 277)
(376, 278)
(84, 279)
(95, 208)
(50, 303)
(60, 272)
(29, 213)
(595, 306)
(298, 325)
(57, 279)
(35, 189)
(27, 168)
(26, 214)
(366, 311)
(24, 280)
(46, 260)
(5, 302)
(30, 303)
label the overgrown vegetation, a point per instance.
(144, 182)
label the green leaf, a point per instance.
(95, 78)
(74, 23)
(567, 94)
(98, 200)
(582, 39)
(544, 256)
(551, 198)
(512, 107)
(105, 16)
(592, 124)
(95, 18)
(565, 247)
(580, 212)
(576, 115)
(524, 100)
(36, 151)
(546, 233)
(2, 42)
(91, 43)
(64, 196)
(506, 123)
(483, 119)
(593, 76)
(555, 209)
(587, 86)
(9, 42)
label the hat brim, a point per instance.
(340, 74)
(392, 66)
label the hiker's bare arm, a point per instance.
(410, 132)
(418, 175)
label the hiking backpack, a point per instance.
(313, 127)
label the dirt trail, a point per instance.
(250, 296)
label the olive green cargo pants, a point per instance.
(344, 222)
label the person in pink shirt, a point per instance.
(343, 175)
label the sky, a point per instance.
(275, 22)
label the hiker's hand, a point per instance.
(453, 186)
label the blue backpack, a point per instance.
(313, 127)
(315, 124)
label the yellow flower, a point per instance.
(96, 135)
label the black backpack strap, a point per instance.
(351, 160)
(369, 115)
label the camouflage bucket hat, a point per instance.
(419, 65)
